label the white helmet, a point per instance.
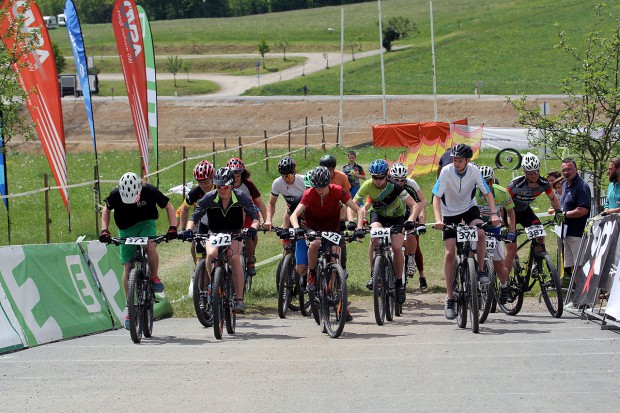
(530, 162)
(130, 186)
(398, 171)
(487, 173)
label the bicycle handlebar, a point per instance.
(121, 240)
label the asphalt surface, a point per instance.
(421, 362)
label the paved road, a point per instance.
(422, 362)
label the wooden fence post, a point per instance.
(337, 134)
(213, 142)
(240, 149)
(47, 208)
(266, 154)
(323, 132)
(183, 175)
(225, 144)
(289, 136)
(306, 140)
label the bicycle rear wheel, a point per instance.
(517, 285)
(473, 291)
(247, 280)
(285, 290)
(459, 295)
(487, 292)
(147, 314)
(229, 295)
(217, 292)
(379, 287)
(134, 309)
(202, 304)
(550, 285)
(335, 302)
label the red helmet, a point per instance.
(236, 165)
(203, 171)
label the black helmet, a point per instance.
(224, 176)
(286, 165)
(328, 161)
(320, 177)
(462, 151)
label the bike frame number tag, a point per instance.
(136, 240)
(332, 237)
(535, 231)
(491, 243)
(379, 232)
(291, 232)
(221, 240)
(466, 234)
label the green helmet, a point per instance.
(307, 181)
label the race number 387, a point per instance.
(535, 231)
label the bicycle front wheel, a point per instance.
(379, 287)
(147, 314)
(314, 297)
(459, 294)
(335, 301)
(517, 285)
(550, 285)
(286, 287)
(217, 292)
(473, 291)
(487, 292)
(229, 297)
(134, 308)
(202, 304)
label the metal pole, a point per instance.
(266, 154)
(306, 140)
(289, 136)
(240, 149)
(184, 163)
(96, 198)
(382, 64)
(47, 208)
(339, 138)
(323, 132)
(213, 142)
(434, 67)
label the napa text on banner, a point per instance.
(3, 182)
(38, 77)
(131, 52)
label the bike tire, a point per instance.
(550, 286)
(392, 306)
(147, 314)
(487, 292)
(335, 304)
(217, 291)
(247, 280)
(314, 297)
(278, 270)
(459, 295)
(474, 299)
(379, 288)
(517, 290)
(229, 315)
(509, 159)
(287, 279)
(205, 317)
(134, 294)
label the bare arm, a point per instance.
(105, 218)
(171, 214)
(555, 202)
(261, 206)
(295, 215)
(354, 207)
(271, 208)
(184, 215)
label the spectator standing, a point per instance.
(354, 172)
(612, 203)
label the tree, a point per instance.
(588, 124)
(174, 65)
(354, 44)
(14, 121)
(283, 45)
(186, 66)
(263, 48)
(61, 63)
(397, 28)
(326, 57)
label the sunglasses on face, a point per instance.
(531, 173)
(224, 187)
(205, 182)
(378, 177)
(288, 176)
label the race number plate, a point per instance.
(221, 240)
(136, 240)
(332, 237)
(379, 232)
(464, 234)
(491, 243)
(535, 231)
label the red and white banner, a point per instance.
(131, 52)
(38, 77)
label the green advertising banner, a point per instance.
(151, 79)
(58, 291)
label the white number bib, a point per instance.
(221, 240)
(380, 233)
(332, 237)
(535, 231)
(491, 243)
(136, 240)
(464, 234)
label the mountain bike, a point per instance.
(203, 299)
(487, 292)
(247, 280)
(289, 285)
(539, 268)
(140, 295)
(329, 300)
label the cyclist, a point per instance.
(135, 215)
(290, 185)
(225, 208)
(399, 175)
(505, 206)
(245, 185)
(301, 248)
(388, 202)
(354, 172)
(454, 201)
(321, 205)
(523, 191)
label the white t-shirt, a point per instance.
(458, 193)
(288, 192)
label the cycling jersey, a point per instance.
(354, 181)
(249, 189)
(523, 195)
(323, 213)
(194, 196)
(502, 200)
(458, 193)
(387, 201)
(127, 215)
(288, 192)
(220, 220)
(342, 180)
(411, 187)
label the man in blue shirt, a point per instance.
(612, 204)
(576, 203)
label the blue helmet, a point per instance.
(378, 167)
